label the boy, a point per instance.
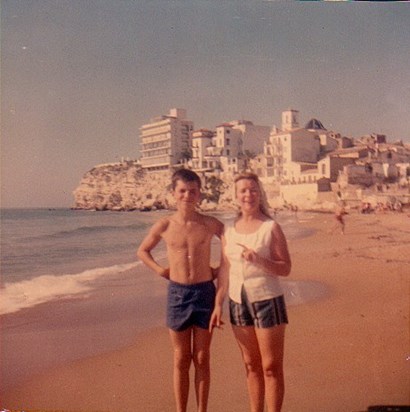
(191, 291)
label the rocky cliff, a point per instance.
(125, 186)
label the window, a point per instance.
(227, 142)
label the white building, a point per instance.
(251, 137)
(227, 148)
(290, 120)
(165, 142)
(294, 154)
(329, 140)
(201, 140)
(289, 151)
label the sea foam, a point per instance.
(45, 288)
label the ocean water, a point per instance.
(55, 253)
(47, 254)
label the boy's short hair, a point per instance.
(185, 175)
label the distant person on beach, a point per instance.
(191, 290)
(340, 213)
(295, 211)
(254, 256)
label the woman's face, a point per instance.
(248, 195)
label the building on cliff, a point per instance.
(165, 141)
(294, 162)
(227, 148)
(303, 166)
(294, 154)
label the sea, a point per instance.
(55, 253)
(72, 286)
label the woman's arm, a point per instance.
(221, 290)
(279, 264)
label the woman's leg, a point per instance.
(271, 346)
(248, 344)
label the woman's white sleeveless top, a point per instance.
(259, 285)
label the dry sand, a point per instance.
(344, 352)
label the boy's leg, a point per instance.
(201, 358)
(181, 343)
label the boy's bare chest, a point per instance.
(180, 236)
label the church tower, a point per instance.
(290, 120)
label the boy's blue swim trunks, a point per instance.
(190, 305)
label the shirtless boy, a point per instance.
(191, 291)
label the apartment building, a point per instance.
(228, 147)
(295, 154)
(289, 151)
(165, 141)
(201, 141)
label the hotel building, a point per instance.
(227, 148)
(165, 142)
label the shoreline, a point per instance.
(344, 351)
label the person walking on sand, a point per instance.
(340, 213)
(191, 290)
(254, 256)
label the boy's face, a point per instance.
(187, 193)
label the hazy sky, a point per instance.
(78, 78)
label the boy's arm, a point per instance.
(150, 241)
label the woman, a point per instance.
(255, 254)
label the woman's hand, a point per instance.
(249, 254)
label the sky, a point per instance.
(79, 78)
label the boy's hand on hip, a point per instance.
(164, 273)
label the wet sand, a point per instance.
(347, 344)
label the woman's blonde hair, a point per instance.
(263, 205)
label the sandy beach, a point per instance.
(346, 349)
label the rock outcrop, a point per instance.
(125, 186)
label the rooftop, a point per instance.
(314, 124)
